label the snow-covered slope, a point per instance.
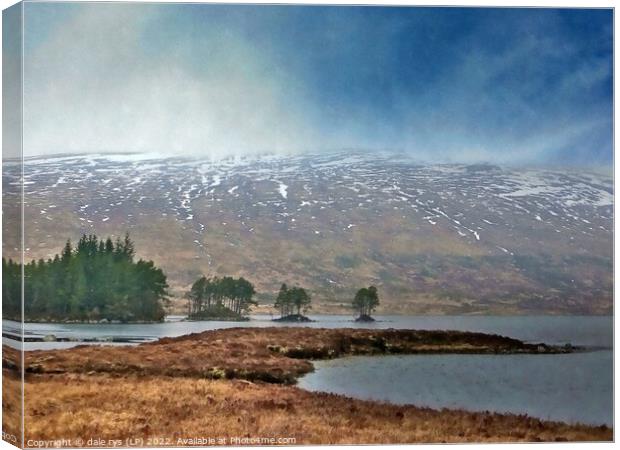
(436, 238)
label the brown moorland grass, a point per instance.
(11, 405)
(277, 355)
(108, 406)
(196, 386)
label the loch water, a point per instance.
(591, 331)
(576, 387)
(570, 388)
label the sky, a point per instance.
(508, 86)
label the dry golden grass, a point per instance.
(11, 404)
(195, 386)
(107, 407)
(270, 354)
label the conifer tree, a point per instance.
(209, 297)
(366, 300)
(95, 280)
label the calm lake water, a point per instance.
(574, 388)
(577, 330)
(571, 388)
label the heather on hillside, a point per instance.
(96, 280)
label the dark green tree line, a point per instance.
(98, 279)
(212, 294)
(11, 289)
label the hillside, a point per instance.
(457, 239)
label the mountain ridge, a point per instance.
(445, 239)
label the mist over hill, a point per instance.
(449, 238)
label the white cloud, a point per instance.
(91, 86)
(126, 77)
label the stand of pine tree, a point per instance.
(292, 302)
(96, 280)
(224, 298)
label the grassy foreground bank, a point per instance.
(237, 383)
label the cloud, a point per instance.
(498, 85)
(538, 101)
(91, 86)
(11, 82)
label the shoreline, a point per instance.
(261, 315)
(255, 369)
(273, 354)
(87, 322)
(154, 409)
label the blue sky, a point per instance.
(522, 86)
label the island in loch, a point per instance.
(237, 382)
(241, 382)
